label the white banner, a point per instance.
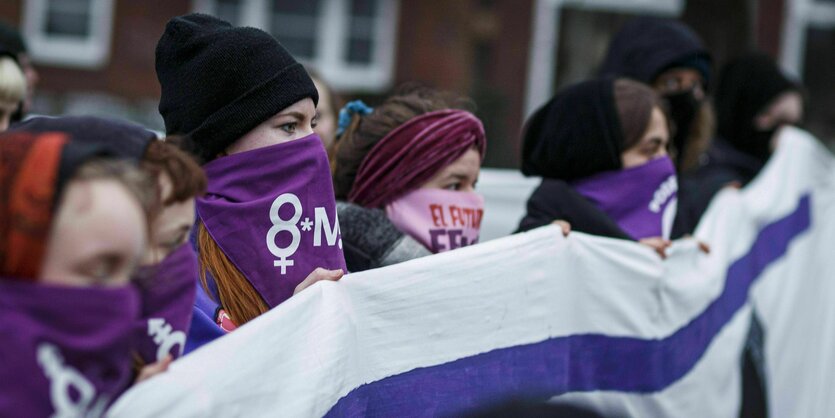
(583, 319)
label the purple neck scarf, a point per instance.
(642, 199)
(66, 351)
(168, 295)
(272, 211)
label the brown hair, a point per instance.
(333, 99)
(187, 177)
(237, 296)
(701, 133)
(634, 102)
(349, 150)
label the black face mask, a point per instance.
(760, 142)
(683, 110)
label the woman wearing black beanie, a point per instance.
(246, 109)
(601, 148)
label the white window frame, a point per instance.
(92, 52)
(331, 42)
(542, 59)
(800, 16)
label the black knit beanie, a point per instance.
(219, 81)
(575, 135)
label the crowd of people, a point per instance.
(121, 251)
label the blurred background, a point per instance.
(97, 56)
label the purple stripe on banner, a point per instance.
(575, 363)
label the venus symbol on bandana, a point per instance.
(66, 380)
(320, 225)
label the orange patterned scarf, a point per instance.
(28, 188)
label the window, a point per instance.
(806, 52)
(74, 33)
(586, 19)
(351, 42)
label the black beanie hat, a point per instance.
(575, 135)
(219, 81)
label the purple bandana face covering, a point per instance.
(441, 220)
(272, 212)
(642, 199)
(168, 295)
(66, 351)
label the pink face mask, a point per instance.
(441, 220)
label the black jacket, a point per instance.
(723, 165)
(556, 200)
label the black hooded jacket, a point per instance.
(746, 87)
(647, 46)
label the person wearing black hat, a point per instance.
(754, 98)
(601, 147)
(670, 57)
(220, 83)
(226, 92)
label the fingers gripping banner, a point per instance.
(583, 320)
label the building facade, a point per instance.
(509, 56)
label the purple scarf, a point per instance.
(66, 351)
(168, 295)
(272, 212)
(642, 199)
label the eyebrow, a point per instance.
(297, 115)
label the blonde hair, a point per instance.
(12, 82)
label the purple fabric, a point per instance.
(204, 328)
(441, 220)
(66, 351)
(272, 212)
(168, 296)
(642, 199)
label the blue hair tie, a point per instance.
(356, 107)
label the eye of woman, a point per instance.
(315, 121)
(102, 268)
(289, 128)
(453, 186)
(175, 240)
(652, 147)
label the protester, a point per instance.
(753, 100)
(169, 267)
(267, 227)
(72, 229)
(413, 163)
(326, 122)
(12, 90)
(670, 57)
(601, 146)
(13, 42)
